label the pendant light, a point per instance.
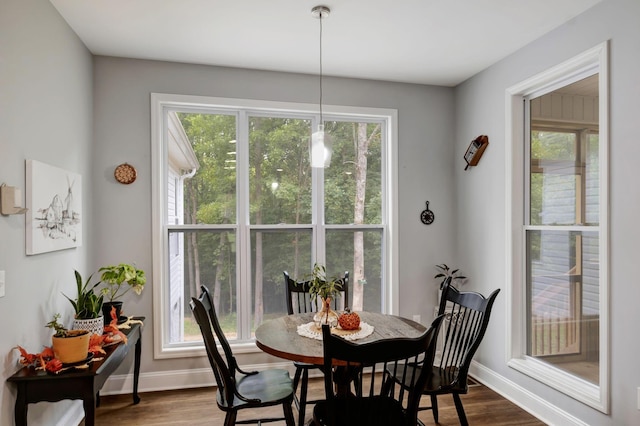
(320, 149)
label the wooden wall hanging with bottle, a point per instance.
(475, 150)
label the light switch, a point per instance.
(10, 200)
(1, 283)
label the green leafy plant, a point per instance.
(120, 279)
(87, 304)
(446, 272)
(322, 286)
(60, 330)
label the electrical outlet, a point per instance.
(1, 283)
(416, 318)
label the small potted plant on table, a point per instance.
(326, 289)
(119, 280)
(87, 306)
(69, 346)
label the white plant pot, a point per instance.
(94, 325)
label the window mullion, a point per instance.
(243, 253)
(527, 162)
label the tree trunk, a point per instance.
(296, 238)
(217, 283)
(358, 237)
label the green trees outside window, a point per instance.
(253, 207)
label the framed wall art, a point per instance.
(54, 200)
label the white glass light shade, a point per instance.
(320, 148)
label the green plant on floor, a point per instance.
(446, 272)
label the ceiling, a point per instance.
(441, 42)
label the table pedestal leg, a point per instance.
(342, 377)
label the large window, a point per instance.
(236, 203)
(559, 252)
(562, 239)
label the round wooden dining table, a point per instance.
(279, 336)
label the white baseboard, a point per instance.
(73, 416)
(528, 401)
(175, 379)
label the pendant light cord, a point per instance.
(321, 121)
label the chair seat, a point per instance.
(270, 387)
(376, 410)
(439, 381)
(306, 365)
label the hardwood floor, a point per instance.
(197, 407)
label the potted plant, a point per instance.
(87, 306)
(119, 280)
(446, 273)
(326, 289)
(68, 346)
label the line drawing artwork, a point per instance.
(54, 200)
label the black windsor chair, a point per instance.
(375, 400)
(299, 301)
(466, 320)
(238, 389)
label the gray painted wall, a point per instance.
(122, 133)
(480, 194)
(46, 114)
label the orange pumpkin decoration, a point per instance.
(349, 320)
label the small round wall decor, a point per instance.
(427, 216)
(125, 173)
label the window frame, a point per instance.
(160, 104)
(590, 62)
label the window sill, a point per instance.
(197, 350)
(579, 389)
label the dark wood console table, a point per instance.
(36, 386)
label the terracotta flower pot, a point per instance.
(73, 348)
